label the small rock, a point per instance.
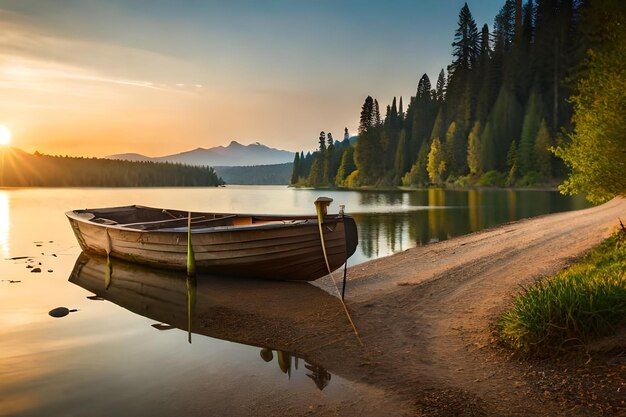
(36, 270)
(54, 254)
(49, 270)
(28, 266)
(60, 312)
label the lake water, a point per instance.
(123, 353)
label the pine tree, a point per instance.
(368, 112)
(483, 78)
(296, 169)
(316, 174)
(346, 167)
(322, 142)
(346, 135)
(474, 151)
(511, 162)
(402, 163)
(376, 121)
(530, 128)
(503, 124)
(441, 86)
(465, 45)
(460, 102)
(436, 163)
(423, 87)
(542, 151)
(330, 171)
(456, 144)
(504, 26)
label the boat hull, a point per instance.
(290, 250)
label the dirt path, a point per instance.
(425, 318)
(425, 313)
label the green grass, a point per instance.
(572, 308)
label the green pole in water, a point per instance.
(191, 261)
(191, 303)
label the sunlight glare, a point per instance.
(5, 223)
(5, 135)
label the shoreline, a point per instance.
(425, 317)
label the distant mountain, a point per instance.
(279, 174)
(129, 157)
(235, 154)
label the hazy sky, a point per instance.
(94, 77)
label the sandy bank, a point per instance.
(424, 316)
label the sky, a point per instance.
(156, 77)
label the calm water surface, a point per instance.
(123, 353)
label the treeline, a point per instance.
(489, 121)
(19, 169)
(275, 174)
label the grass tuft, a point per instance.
(577, 305)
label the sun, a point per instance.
(5, 135)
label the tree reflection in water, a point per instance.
(420, 217)
(320, 376)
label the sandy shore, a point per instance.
(425, 318)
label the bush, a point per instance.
(531, 178)
(491, 178)
(569, 310)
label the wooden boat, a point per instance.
(247, 245)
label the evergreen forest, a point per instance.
(511, 109)
(20, 169)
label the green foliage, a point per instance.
(316, 175)
(296, 169)
(402, 161)
(368, 155)
(511, 162)
(542, 152)
(456, 150)
(352, 180)
(436, 162)
(503, 125)
(487, 102)
(24, 170)
(529, 179)
(596, 153)
(530, 128)
(441, 87)
(465, 45)
(474, 151)
(569, 310)
(346, 167)
(418, 174)
(491, 178)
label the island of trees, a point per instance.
(549, 81)
(20, 169)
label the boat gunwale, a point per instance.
(297, 221)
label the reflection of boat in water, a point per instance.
(253, 312)
(261, 246)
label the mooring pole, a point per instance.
(345, 265)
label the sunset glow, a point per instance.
(99, 78)
(5, 135)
